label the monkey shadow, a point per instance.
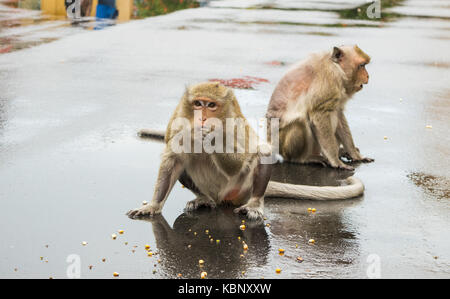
(308, 174)
(213, 236)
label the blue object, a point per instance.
(106, 12)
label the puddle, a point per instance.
(28, 23)
(436, 186)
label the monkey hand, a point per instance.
(367, 160)
(253, 210)
(147, 210)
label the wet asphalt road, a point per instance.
(71, 164)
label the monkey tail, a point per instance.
(354, 188)
(152, 134)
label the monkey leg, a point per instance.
(292, 142)
(322, 129)
(254, 208)
(168, 174)
(201, 201)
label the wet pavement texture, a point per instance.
(71, 164)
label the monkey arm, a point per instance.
(169, 172)
(344, 135)
(322, 129)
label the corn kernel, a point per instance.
(242, 227)
(121, 232)
(113, 236)
(115, 274)
(203, 275)
(201, 262)
(147, 247)
(311, 241)
(278, 270)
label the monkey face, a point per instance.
(353, 62)
(361, 76)
(204, 109)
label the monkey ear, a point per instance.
(337, 55)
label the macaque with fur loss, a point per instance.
(309, 102)
(238, 175)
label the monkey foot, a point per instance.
(344, 167)
(252, 213)
(198, 203)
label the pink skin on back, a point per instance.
(290, 87)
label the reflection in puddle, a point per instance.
(211, 236)
(435, 186)
(27, 23)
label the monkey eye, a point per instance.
(197, 103)
(362, 65)
(211, 105)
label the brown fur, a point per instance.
(309, 101)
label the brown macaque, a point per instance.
(309, 102)
(238, 175)
(233, 176)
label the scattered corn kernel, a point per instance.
(103, 260)
(385, 137)
(309, 209)
(217, 241)
(42, 258)
(278, 270)
(149, 253)
(121, 232)
(189, 246)
(126, 243)
(144, 203)
(245, 247)
(115, 274)
(147, 247)
(201, 262)
(179, 275)
(207, 231)
(281, 251)
(203, 275)
(84, 243)
(299, 259)
(114, 236)
(311, 241)
(313, 210)
(429, 126)
(268, 224)
(242, 227)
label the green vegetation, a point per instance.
(360, 12)
(151, 8)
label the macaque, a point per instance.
(309, 102)
(238, 175)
